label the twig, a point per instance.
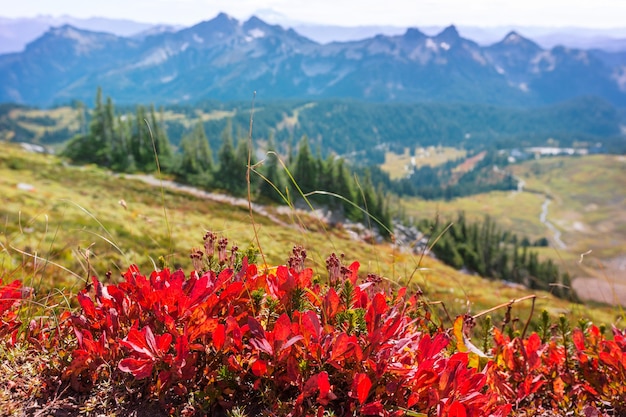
(509, 305)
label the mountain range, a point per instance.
(226, 59)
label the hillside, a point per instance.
(60, 213)
(583, 200)
(362, 132)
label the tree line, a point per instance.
(483, 248)
(128, 143)
(443, 182)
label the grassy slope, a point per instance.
(395, 164)
(588, 206)
(52, 221)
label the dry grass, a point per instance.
(396, 165)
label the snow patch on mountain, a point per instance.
(256, 33)
(430, 44)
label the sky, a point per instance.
(551, 13)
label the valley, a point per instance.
(577, 203)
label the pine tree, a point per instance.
(91, 147)
(196, 165)
(343, 187)
(243, 152)
(141, 144)
(226, 176)
(161, 141)
(304, 167)
(273, 174)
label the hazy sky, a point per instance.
(585, 13)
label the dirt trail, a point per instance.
(221, 198)
(556, 233)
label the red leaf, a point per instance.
(87, 305)
(136, 341)
(140, 368)
(354, 272)
(372, 409)
(323, 383)
(331, 304)
(259, 368)
(579, 339)
(282, 328)
(233, 291)
(149, 338)
(200, 324)
(457, 410)
(401, 292)
(262, 345)
(286, 281)
(219, 336)
(303, 279)
(291, 341)
(164, 342)
(255, 328)
(311, 327)
(375, 310)
(413, 399)
(310, 386)
(362, 385)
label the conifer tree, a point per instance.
(273, 174)
(304, 167)
(91, 147)
(161, 141)
(343, 187)
(324, 180)
(123, 159)
(196, 166)
(226, 176)
(141, 144)
(243, 152)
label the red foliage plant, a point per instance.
(285, 342)
(277, 341)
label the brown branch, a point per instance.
(507, 304)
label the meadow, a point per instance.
(65, 227)
(587, 202)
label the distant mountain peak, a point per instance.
(64, 30)
(71, 32)
(222, 23)
(255, 21)
(449, 34)
(512, 37)
(256, 24)
(516, 40)
(414, 34)
(221, 16)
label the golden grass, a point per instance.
(396, 165)
(63, 117)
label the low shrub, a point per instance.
(233, 335)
